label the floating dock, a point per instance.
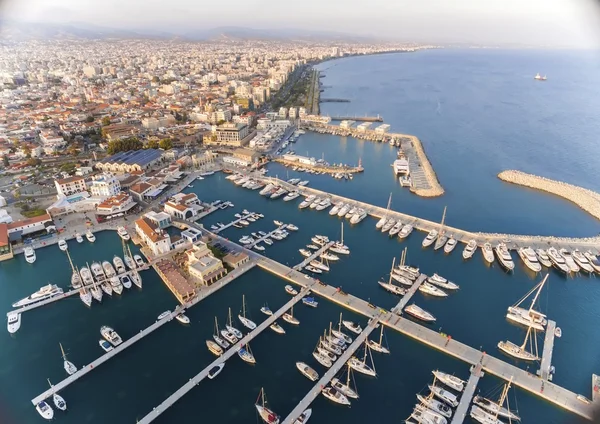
(465, 400)
(546, 362)
(314, 256)
(255, 242)
(331, 372)
(151, 416)
(226, 226)
(409, 294)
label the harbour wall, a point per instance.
(587, 200)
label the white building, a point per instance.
(347, 124)
(267, 124)
(231, 133)
(382, 129)
(283, 112)
(293, 113)
(116, 205)
(68, 186)
(183, 206)
(105, 185)
(157, 240)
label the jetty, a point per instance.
(333, 100)
(358, 118)
(255, 242)
(587, 200)
(409, 294)
(194, 381)
(331, 372)
(226, 226)
(314, 256)
(465, 400)
(546, 362)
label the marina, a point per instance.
(465, 400)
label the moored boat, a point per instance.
(419, 313)
(450, 380)
(470, 249)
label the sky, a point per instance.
(553, 23)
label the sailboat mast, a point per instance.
(538, 293)
(244, 305)
(392, 270)
(389, 205)
(381, 336)
(503, 397)
(342, 232)
(70, 261)
(62, 350)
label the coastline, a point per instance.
(586, 199)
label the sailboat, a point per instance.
(345, 388)
(320, 357)
(378, 346)
(289, 318)
(245, 321)
(384, 219)
(493, 407)
(339, 246)
(127, 256)
(442, 239)
(392, 288)
(70, 368)
(361, 366)
(529, 317)
(489, 413)
(229, 326)
(521, 352)
(58, 400)
(267, 415)
(220, 341)
(435, 405)
(346, 339)
(246, 354)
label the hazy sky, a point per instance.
(548, 22)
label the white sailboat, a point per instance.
(529, 317)
(335, 396)
(58, 400)
(392, 288)
(345, 389)
(266, 414)
(218, 339)
(246, 354)
(290, 318)
(378, 346)
(246, 321)
(229, 326)
(70, 368)
(361, 366)
(435, 405)
(485, 411)
(445, 395)
(442, 238)
(320, 357)
(384, 219)
(521, 352)
(339, 246)
(339, 333)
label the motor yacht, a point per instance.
(62, 245)
(277, 328)
(431, 237)
(324, 204)
(449, 380)
(430, 289)
(90, 236)
(395, 229)
(119, 265)
(442, 282)
(122, 232)
(29, 254)
(389, 224)
(582, 261)
(504, 257)
(322, 359)
(543, 257)
(108, 268)
(594, 262)
(358, 216)
(335, 209)
(138, 261)
(573, 267)
(184, 319)
(126, 281)
(470, 249)
(488, 253)
(344, 210)
(291, 227)
(558, 261)
(319, 265)
(529, 258)
(78, 238)
(106, 346)
(310, 301)
(110, 335)
(45, 410)
(45, 292)
(352, 326)
(419, 313)
(315, 202)
(290, 290)
(424, 415)
(450, 244)
(335, 396)
(446, 396)
(305, 253)
(278, 193)
(14, 322)
(214, 348)
(215, 371)
(405, 232)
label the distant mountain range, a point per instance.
(17, 31)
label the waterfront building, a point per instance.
(300, 159)
(203, 266)
(231, 134)
(175, 280)
(236, 259)
(105, 185)
(68, 186)
(242, 157)
(267, 124)
(5, 246)
(382, 129)
(160, 219)
(191, 235)
(140, 189)
(30, 226)
(157, 240)
(364, 126)
(183, 206)
(347, 124)
(318, 119)
(132, 160)
(114, 206)
(283, 113)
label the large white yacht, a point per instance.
(470, 249)
(435, 405)
(29, 254)
(428, 241)
(445, 395)
(558, 261)
(450, 380)
(110, 335)
(405, 231)
(123, 233)
(62, 245)
(529, 258)
(425, 415)
(43, 293)
(432, 290)
(488, 253)
(582, 261)
(543, 257)
(573, 267)
(419, 313)
(504, 257)
(14, 322)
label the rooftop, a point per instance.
(134, 157)
(29, 221)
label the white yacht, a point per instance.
(324, 204)
(69, 366)
(441, 241)
(62, 245)
(335, 396)
(267, 189)
(450, 244)
(58, 401)
(358, 216)
(43, 293)
(395, 229)
(290, 290)
(329, 256)
(280, 192)
(29, 254)
(352, 326)
(361, 366)
(214, 348)
(405, 231)
(246, 355)
(425, 415)
(583, 261)
(335, 209)
(45, 410)
(594, 262)
(123, 233)
(277, 328)
(98, 272)
(431, 237)
(488, 253)
(392, 288)
(110, 335)
(529, 317)
(266, 414)
(319, 265)
(470, 249)
(315, 202)
(90, 236)
(304, 417)
(442, 282)
(435, 405)
(182, 318)
(138, 261)
(322, 359)
(519, 352)
(558, 261)
(119, 265)
(126, 281)
(449, 380)
(419, 313)
(14, 322)
(529, 258)
(216, 370)
(246, 322)
(484, 417)
(494, 408)
(573, 267)
(307, 202)
(290, 318)
(543, 257)
(432, 290)
(106, 346)
(109, 270)
(291, 227)
(504, 257)
(86, 276)
(446, 396)
(85, 296)
(345, 389)
(78, 238)
(344, 210)
(388, 225)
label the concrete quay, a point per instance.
(194, 381)
(331, 372)
(465, 400)
(587, 200)
(546, 362)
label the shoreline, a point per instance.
(586, 199)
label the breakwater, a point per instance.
(587, 200)
(435, 189)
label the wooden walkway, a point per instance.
(546, 362)
(179, 393)
(331, 372)
(461, 411)
(409, 294)
(314, 256)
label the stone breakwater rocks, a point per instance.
(587, 200)
(435, 186)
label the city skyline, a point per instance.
(556, 23)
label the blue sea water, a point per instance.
(477, 112)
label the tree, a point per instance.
(5, 161)
(106, 121)
(220, 122)
(27, 151)
(166, 144)
(124, 144)
(153, 144)
(89, 119)
(34, 162)
(73, 150)
(68, 167)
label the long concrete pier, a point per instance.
(465, 400)
(314, 256)
(194, 381)
(513, 241)
(546, 362)
(108, 355)
(409, 294)
(497, 367)
(331, 372)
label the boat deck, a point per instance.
(409, 294)
(465, 400)
(331, 372)
(546, 362)
(314, 256)
(194, 381)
